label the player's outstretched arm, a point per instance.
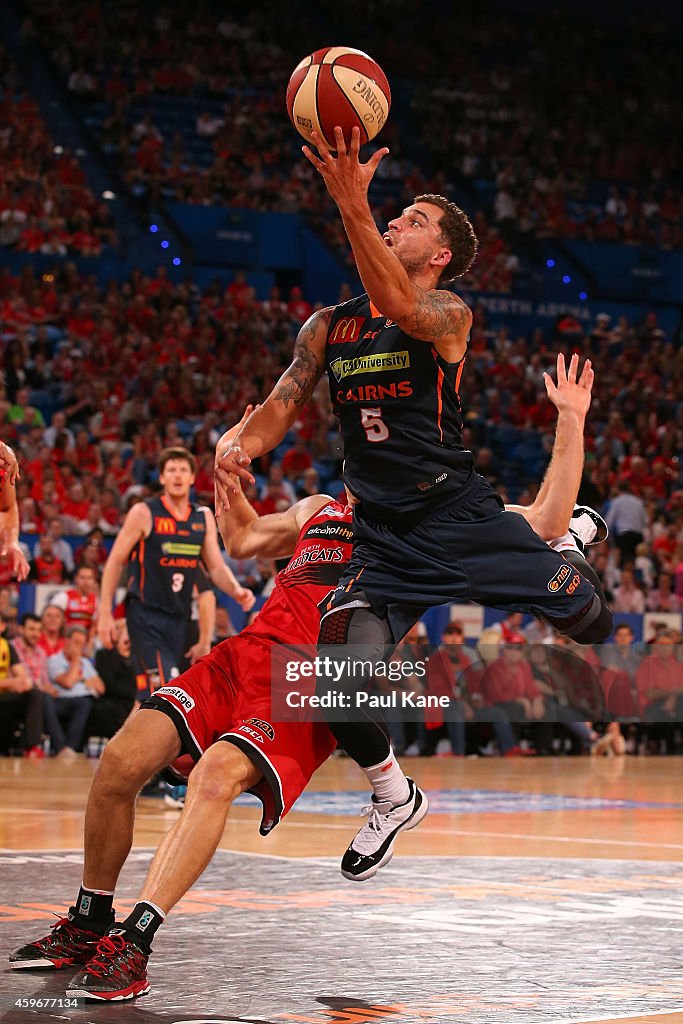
(221, 575)
(269, 423)
(137, 524)
(247, 535)
(435, 316)
(552, 509)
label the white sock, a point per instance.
(388, 781)
(564, 543)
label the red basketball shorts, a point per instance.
(227, 696)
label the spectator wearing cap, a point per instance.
(21, 704)
(77, 684)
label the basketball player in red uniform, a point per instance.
(217, 718)
(162, 541)
(10, 550)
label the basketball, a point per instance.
(338, 86)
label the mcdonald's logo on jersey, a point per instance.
(164, 525)
(346, 329)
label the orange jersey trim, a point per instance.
(141, 559)
(188, 510)
(459, 375)
(374, 312)
(439, 408)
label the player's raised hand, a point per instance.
(347, 179)
(570, 394)
(230, 464)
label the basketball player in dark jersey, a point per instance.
(163, 540)
(428, 529)
(217, 718)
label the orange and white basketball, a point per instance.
(338, 86)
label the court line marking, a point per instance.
(506, 835)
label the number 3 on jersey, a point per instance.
(177, 582)
(374, 426)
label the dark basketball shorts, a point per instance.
(468, 550)
(157, 645)
(227, 696)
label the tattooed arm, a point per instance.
(437, 317)
(268, 424)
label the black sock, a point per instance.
(141, 925)
(93, 909)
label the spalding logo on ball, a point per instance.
(338, 86)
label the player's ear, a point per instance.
(442, 258)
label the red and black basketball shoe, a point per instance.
(118, 970)
(66, 945)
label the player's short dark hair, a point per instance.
(457, 233)
(29, 617)
(168, 454)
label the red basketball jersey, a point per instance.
(292, 613)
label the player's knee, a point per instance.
(221, 774)
(599, 630)
(119, 770)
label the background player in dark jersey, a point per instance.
(163, 540)
(428, 529)
(173, 721)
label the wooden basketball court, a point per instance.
(536, 890)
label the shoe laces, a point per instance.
(67, 929)
(108, 947)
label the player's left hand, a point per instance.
(570, 394)
(18, 565)
(197, 651)
(245, 598)
(347, 179)
(8, 462)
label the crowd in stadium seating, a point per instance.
(96, 382)
(45, 204)
(526, 114)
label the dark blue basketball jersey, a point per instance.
(163, 566)
(398, 403)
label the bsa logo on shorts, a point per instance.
(174, 691)
(560, 578)
(265, 727)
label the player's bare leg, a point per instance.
(146, 743)
(119, 970)
(220, 776)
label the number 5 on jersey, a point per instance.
(374, 426)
